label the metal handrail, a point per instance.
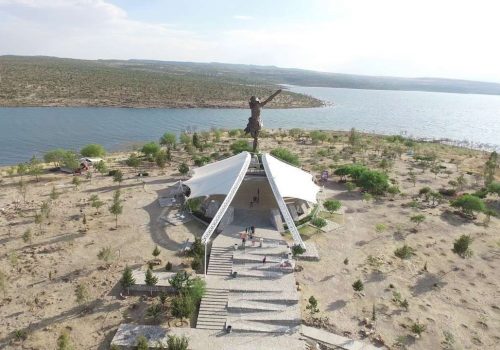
(282, 205)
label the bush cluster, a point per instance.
(372, 181)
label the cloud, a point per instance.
(388, 37)
(91, 29)
(243, 18)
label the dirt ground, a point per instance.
(455, 298)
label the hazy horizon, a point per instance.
(447, 39)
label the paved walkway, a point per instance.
(262, 297)
(328, 338)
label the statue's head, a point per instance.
(254, 99)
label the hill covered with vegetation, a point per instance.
(48, 81)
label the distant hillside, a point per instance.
(48, 81)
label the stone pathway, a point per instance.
(261, 297)
(213, 309)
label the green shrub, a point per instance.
(168, 266)
(182, 306)
(183, 168)
(318, 222)
(418, 328)
(332, 205)
(177, 342)
(286, 156)
(93, 150)
(405, 252)
(297, 250)
(358, 285)
(461, 246)
(196, 264)
(240, 146)
(150, 149)
(469, 204)
(142, 343)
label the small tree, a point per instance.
(133, 161)
(168, 139)
(128, 279)
(118, 177)
(35, 167)
(142, 343)
(297, 250)
(413, 178)
(27, 236)
(156, 252)
(240, 146)
(22, 169)
(358, 286)
(76, 181)
(367, 197)
(177, 342)
(155, 312)
(350, 186)
(285, 155)
(150, 279)
(161, 159)
(186, 139)
(417, 219)
(196, 141)
(182, 307)
(181, 282)
(150, 149)
(116, 208)
(82, 294)
(54, 156)
(319, 222)
(105, 254)
(405, 252)
(53, 194)
(469, 204)
(418, 328)
(101, 167)
(461, 246)
(312, 306)
(64, 341)
(3, 283)
(96, 203)
(22, 187)
(39, 221)
(380, 228)
(332, 205)
(183, 168)
(93, 150)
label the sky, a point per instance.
(409, 38)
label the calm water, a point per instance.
(475, 118)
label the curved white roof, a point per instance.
(291, 181)
(218, 177)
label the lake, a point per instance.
(25, 131)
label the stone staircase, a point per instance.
(213, 313)
(221, 261)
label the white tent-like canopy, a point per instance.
(219, 177)
(225, 177)
(291, 181)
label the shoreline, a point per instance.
(130, 146)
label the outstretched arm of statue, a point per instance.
(270, 98)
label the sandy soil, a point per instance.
(43, 274)
(455, 295)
